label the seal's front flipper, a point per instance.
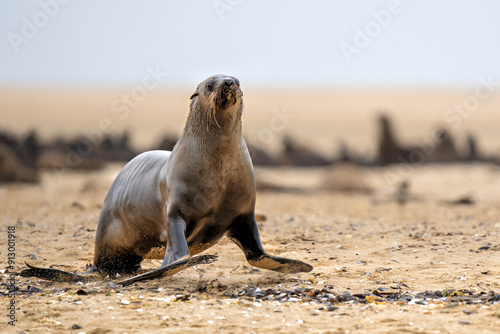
(245, 233)
(170, 269)
(57, 275)
(202, 259)
(167, 270)
(177, 254)
(280, 264)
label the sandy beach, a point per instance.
(430, 265)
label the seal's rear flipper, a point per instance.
(170, 269)
(57, 275)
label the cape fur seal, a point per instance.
(389, 149)
(187, 199)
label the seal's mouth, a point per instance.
(227, 96)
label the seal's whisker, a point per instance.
(215, 117)
(210, 112)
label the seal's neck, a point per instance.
(219, 140)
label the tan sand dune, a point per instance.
(320, 117)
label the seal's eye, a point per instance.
(209, 86)
(237, 82)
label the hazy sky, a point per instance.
(113, 42)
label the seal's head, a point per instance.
(217, 100)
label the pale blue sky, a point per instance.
(90, 42)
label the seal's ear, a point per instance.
(194, 95)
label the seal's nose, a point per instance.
(228, 82)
